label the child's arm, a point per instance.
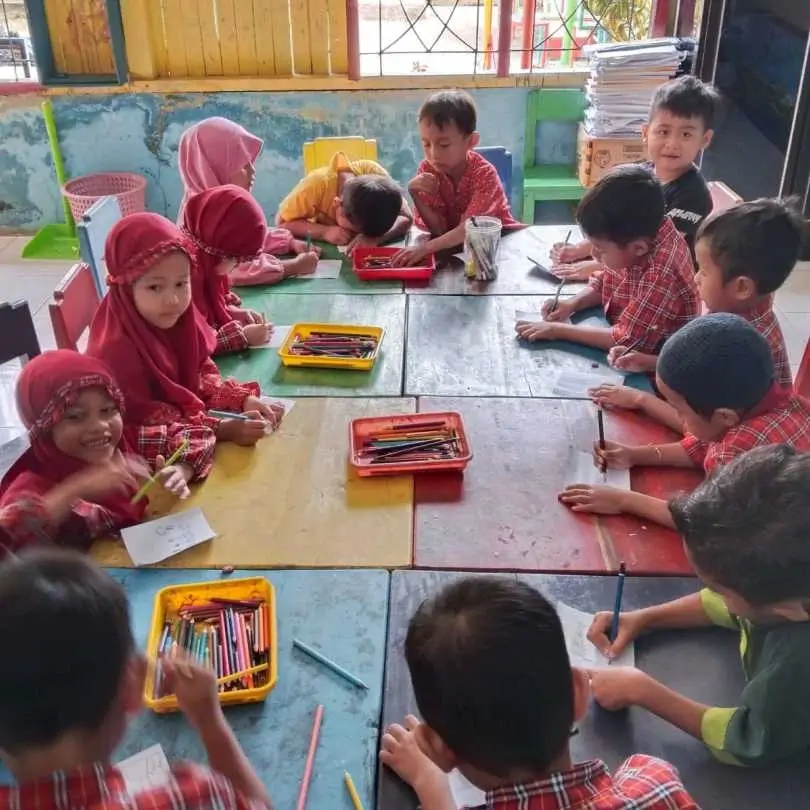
(631, 399)
(554, 328)
(401, 226)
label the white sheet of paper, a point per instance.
(327, 268)
(288, 404)
(279, 336)
(156, 540)
(582, 470)
(527, 316)
(145, 770)
(465, 793)
(576, 384)
(582, 653)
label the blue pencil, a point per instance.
(228, 415)
(336, 668)
(617, 605)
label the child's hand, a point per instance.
(299, 246)
(271, 412)
(337, 235)
(195, 687)
(361, 241)
(579, 271)
(564, 253)
(596, 499)
(402, 754)
(424, 184)
(618, 688)
(562, 312)
(114, 476)
(536, 331)
(615, 456)
(631, 625)
(240, 315)
(303, 265)
(244, 432)
(257, 334)
(635, 362)
(174, 478)
(616, 396)
(408, 257)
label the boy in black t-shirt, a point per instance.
(680, 128)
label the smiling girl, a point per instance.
(147, 329)
(76, 480)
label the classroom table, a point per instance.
(264, 364)
(293, 500)
(703, 664)
(517, 275)
(504, 513)
(341, 613)
(463, 346)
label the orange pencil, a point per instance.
(313, 747)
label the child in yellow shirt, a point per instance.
(347, 202)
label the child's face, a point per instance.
(91, 428)
(720, 296)
(619, 257)
(341, 220)
(163, 293)
(707, 430)
(446, 149)
(674, 143)
(244, 177)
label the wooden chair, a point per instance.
(319, 152)
(722, 196)
(75, 301)
(18, 337)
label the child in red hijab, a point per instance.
(76, 480)
(216, 152)
(226, 226)
(147, 329)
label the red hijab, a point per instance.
(48, 385)
(222, 223)
(154, 367)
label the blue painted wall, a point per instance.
(139, 133)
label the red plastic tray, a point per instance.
(361, 429)
(424, 272)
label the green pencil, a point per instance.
(172, 458)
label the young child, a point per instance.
(226, 226)
(348, 202)
(717, 372)
(745, 532)
(500, 700)
(60, 724)
(76, 481)
(218, 152)
(745, 254)
(453, 182)
(147, 329)
(647, 288)
(679, 129)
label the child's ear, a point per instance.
(743, 288)
(434, 747)
(582, 692)
(645, 131)
(707, 138)
(725, 418)
(475, 139)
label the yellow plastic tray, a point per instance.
(353, 364)
(170, 600)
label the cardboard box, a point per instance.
(597, 156)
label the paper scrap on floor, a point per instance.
(527, 316)
(146, 770)
(159, 539)
(576, 384)
(583, 654)
(582, 470)
(465, 793)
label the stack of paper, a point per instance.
(623, 80)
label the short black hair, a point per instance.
(64, 625)
(746, 525)
(626, 204)
(451, 107)
(686, 97)
(761, 240)
(372, 203)
(717, 361)
(491, 674)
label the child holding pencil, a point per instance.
(77, 479)
(148, 330)
(60, 724)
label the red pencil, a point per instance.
(313, 746)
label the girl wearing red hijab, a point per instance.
(147, 329)
(75, 482)
(226, 226)
(216, 152)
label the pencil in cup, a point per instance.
(150, 482)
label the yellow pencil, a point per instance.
(358, 805)
(172, 458)
(239, 675)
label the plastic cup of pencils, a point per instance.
(482, 235)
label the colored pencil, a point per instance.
(568, 237)
(617, 604)
(329, 664)
(600, 421)
(313, 747)
(236, 676)
(636, 343)
(228, 415)
(557, 296)
(171, 460)
(355, 797)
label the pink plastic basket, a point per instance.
(129, 189)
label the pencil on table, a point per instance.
(313, 747)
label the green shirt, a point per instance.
(773, 719)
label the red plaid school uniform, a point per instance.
(231, 338)
(641, 783)
(478, 193)
(786, 424)
(764, 320)
(648, 303)
(102, 787)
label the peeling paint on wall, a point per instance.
(140, 132)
